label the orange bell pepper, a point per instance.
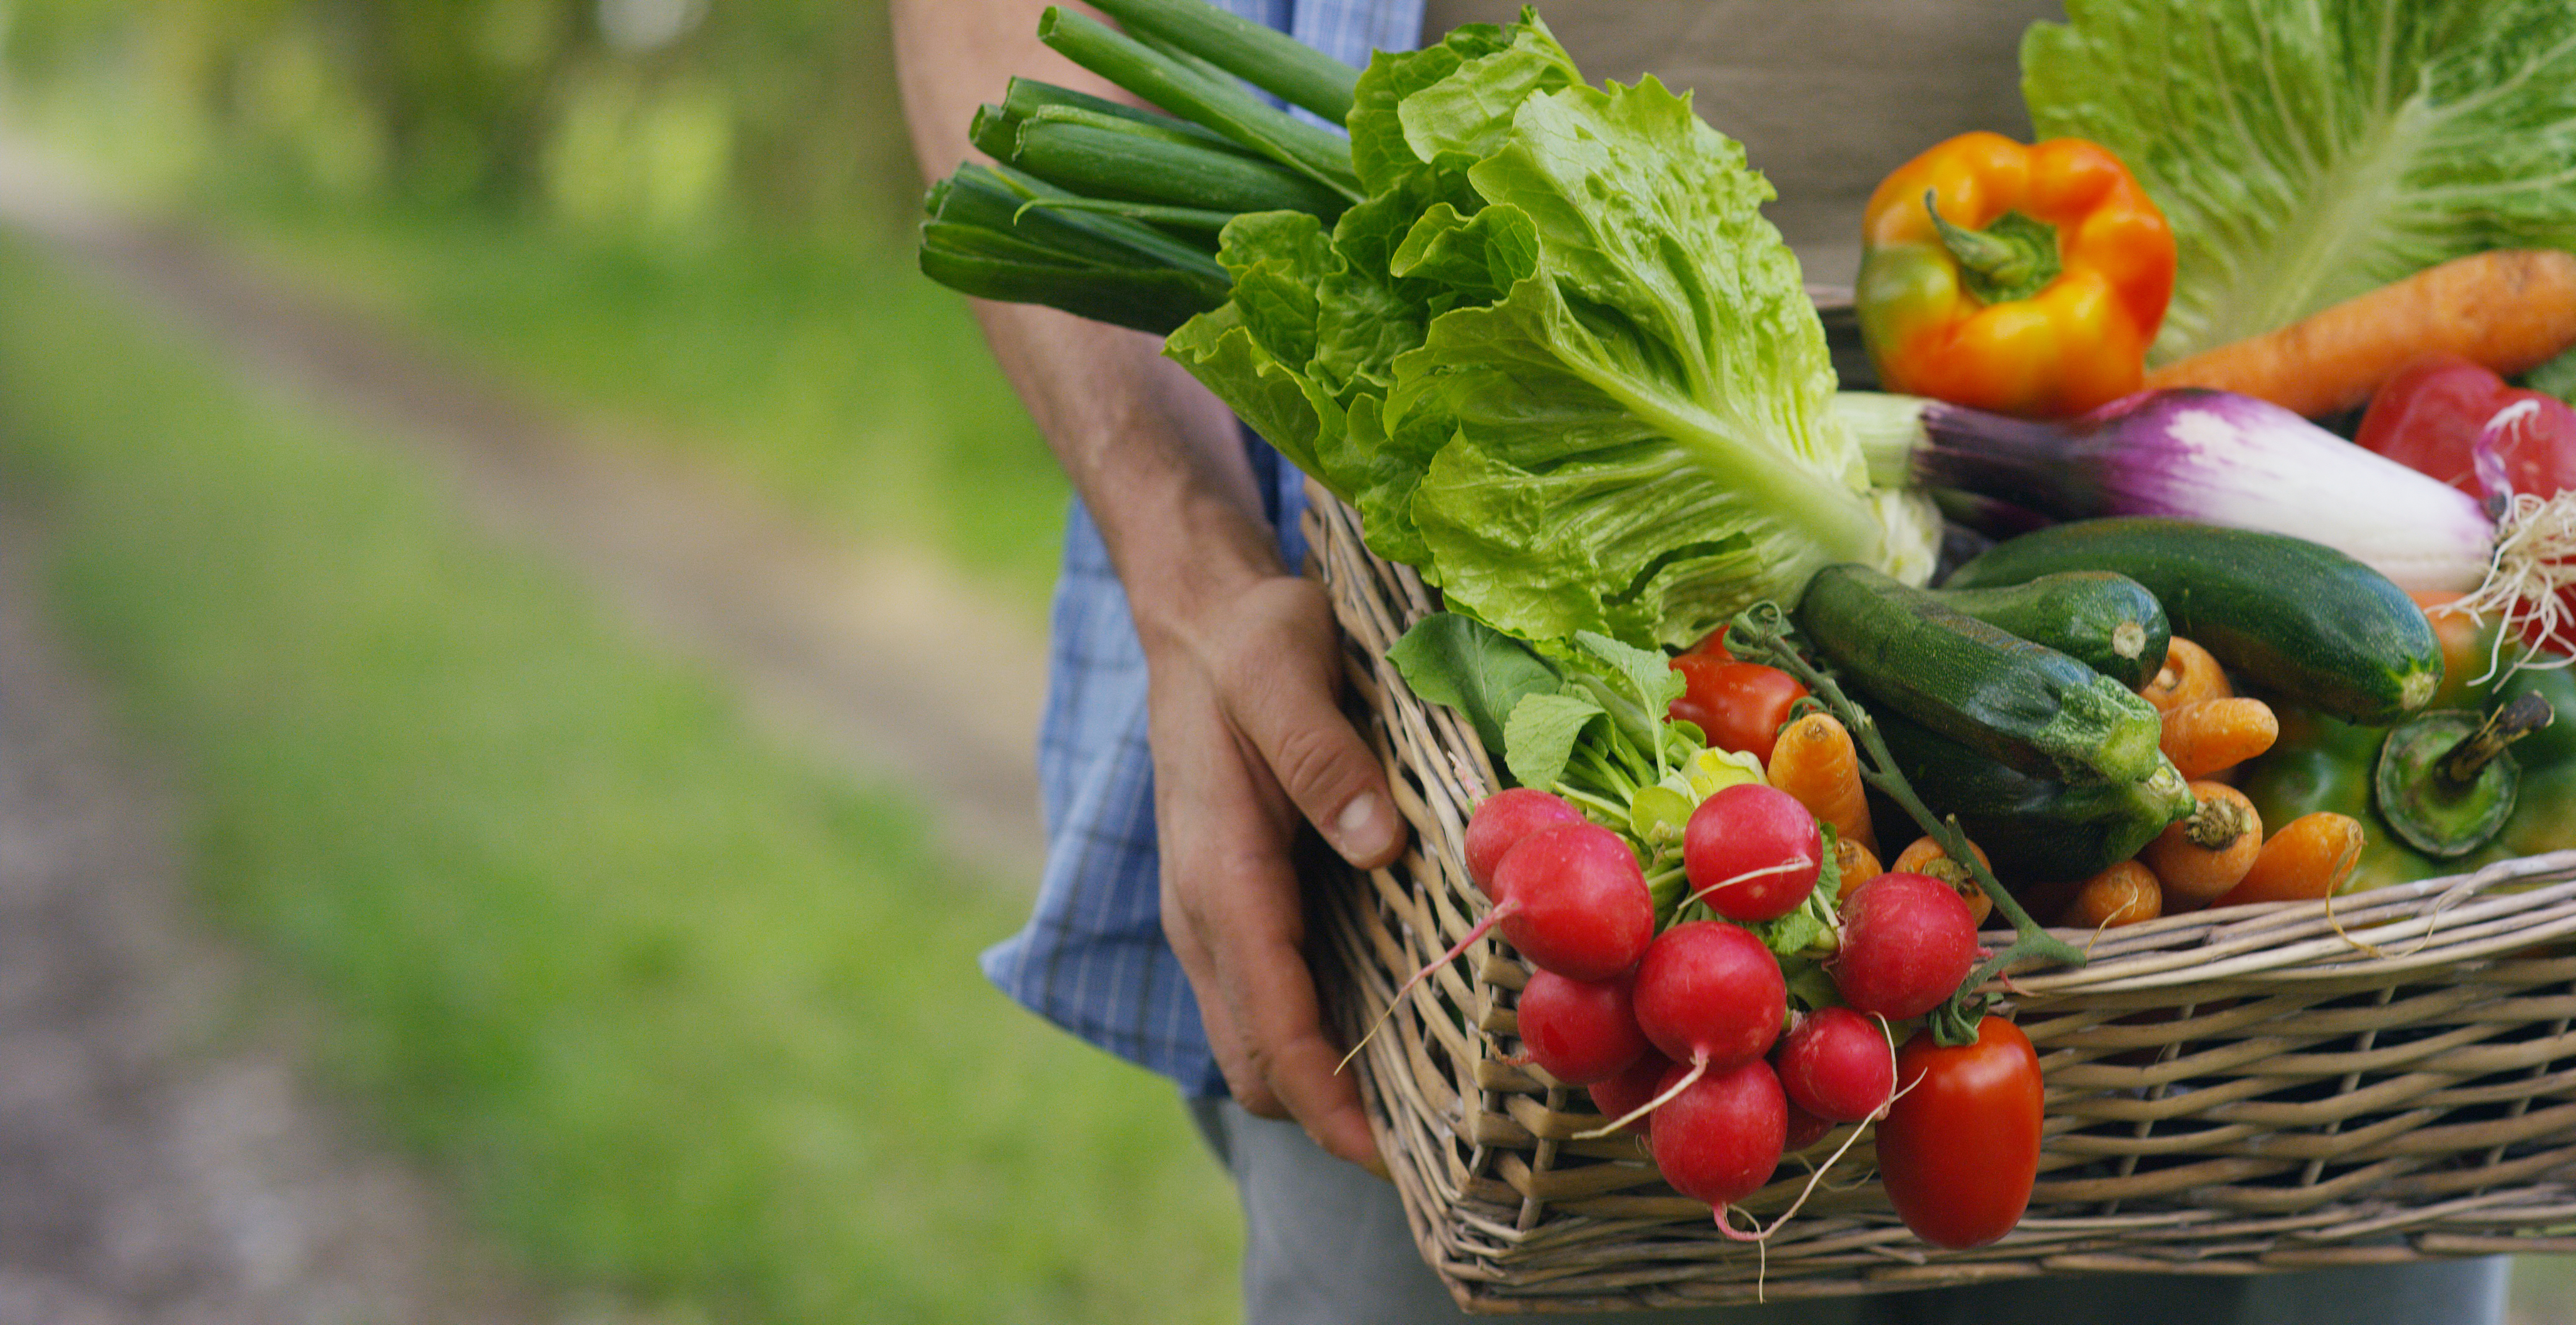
(2024, 280)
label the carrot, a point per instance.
(1815, 763)
(2310, 857)
(2207, 854)
(2509, 309)
(2189, 675)
(2124, 894)
(1925, 856)
(1858, 865)
(2211, 735)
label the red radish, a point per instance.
(1908, 940)
(1500, 823)
(1837, 1064)
(1628, 1092)
(1574, 902)
(1709, 996)
(1752, 852)
(1710, 993)
(1571, 899)
(1581, 1031)
(1720, 1137)
(1805, 1129)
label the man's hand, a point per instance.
(1248, 741)
(1244, 656)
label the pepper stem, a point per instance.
(1761, 632)
(2524, 714)
(2010, 260)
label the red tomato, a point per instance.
(1740, 705)
(2430, 414)
(1960, 1149)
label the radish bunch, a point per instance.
(1689, 1031)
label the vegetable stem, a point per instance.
(1092, 159)
(2526, 713)
(1027, 97)
(1319, 154)
(2008, 261)
(1266, 58)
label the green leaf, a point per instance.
(1539, 736)
(1811, 986)
(2305, 153)
(1648, 672)
(1471, 667)
(1379, 151)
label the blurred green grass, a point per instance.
(685, 1015)
(825, 373)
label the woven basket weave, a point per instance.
(2389, 1078)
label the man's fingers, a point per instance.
(1291, 716)
(1273, 997)
(1233, 1053)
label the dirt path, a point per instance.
(828, 642)
(160, 1160)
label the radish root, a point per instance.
(1784, 867)
(1761, 1237)
(2535, 557)
(1396, 999)
(1699, 1068)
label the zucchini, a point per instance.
(2033, 829)
(2021, 703)
(2300, 619)
(2107, 622)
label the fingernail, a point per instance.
(1363, 831)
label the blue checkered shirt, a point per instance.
(1092, 958)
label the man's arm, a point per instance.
(1242, 654)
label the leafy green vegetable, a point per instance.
(1472, 667)
(2306, 153)
(1539, 740)
(1556, 358)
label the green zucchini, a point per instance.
(2296, 617)
(2021, 703)
(2108, 622)
(2034, 830)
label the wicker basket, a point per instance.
(2269, 1087)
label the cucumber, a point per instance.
(2033, 829)
(2020, 703)
(2108, 622)
(2296, 617)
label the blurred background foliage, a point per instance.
(677, 1011)
(691, 218)
(668, 116)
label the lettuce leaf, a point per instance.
(2306, 153)
(1557, 358)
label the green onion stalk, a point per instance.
(1113, 213)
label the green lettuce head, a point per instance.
(1557, 359)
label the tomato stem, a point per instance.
(1761, 632)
